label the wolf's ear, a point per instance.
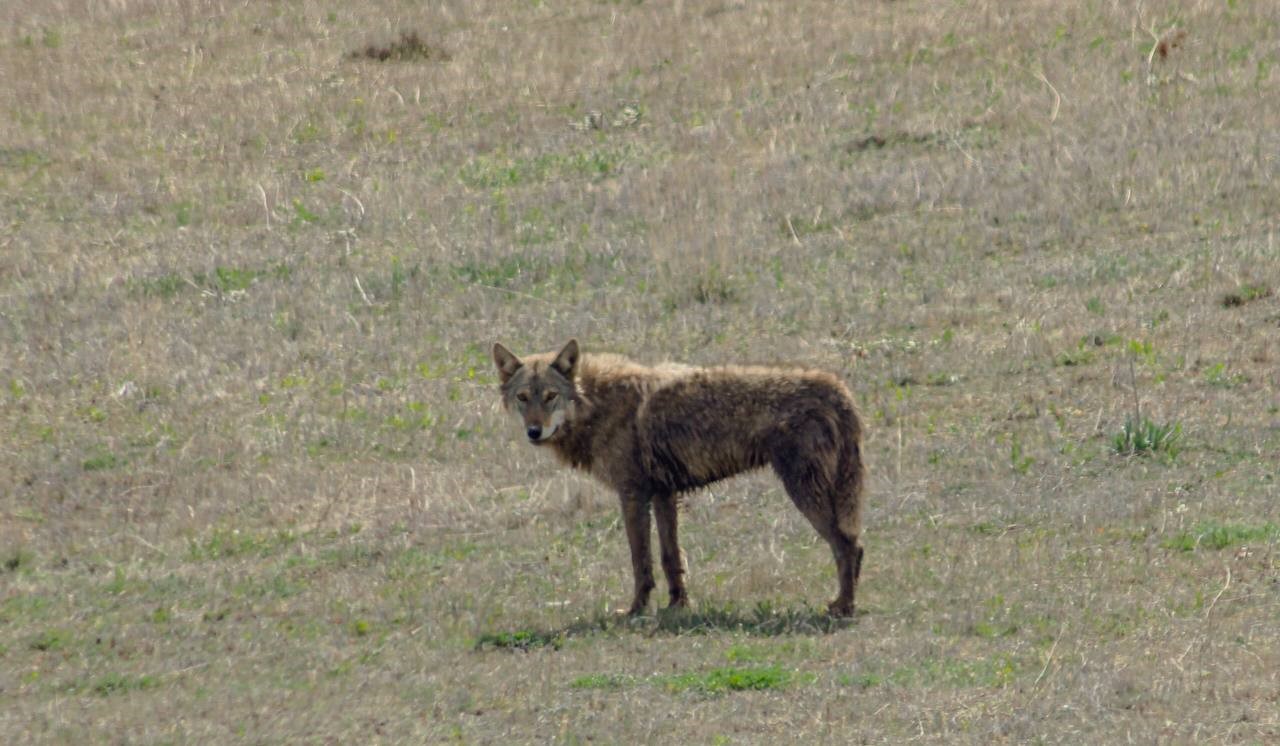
(567, 361)
(507, 363)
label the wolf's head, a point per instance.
(540, 389)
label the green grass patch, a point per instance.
(733, 679)
(115, 683)
(713, 682)
(21, 159)
(224, 543)
(498, 274)
(50, 640)
(499, 171)
(26, 607)
(103, 460)
(605, 681)
(223, 279)
(520, 640)
(1214, 535)
(1073, 358)
(164, 286)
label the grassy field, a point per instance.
(255, 484)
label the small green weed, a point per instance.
(1144, 436)
(303, 214)
(1217, 375)
(1018, 460)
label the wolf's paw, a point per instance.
(840, 608)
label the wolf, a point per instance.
(654, 432)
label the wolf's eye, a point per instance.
(549, 396)
(522, 396)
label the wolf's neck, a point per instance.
(574, 448)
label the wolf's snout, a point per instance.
(534, 432)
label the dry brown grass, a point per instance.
(254, 485)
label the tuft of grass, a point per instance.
(17, 558)
(50, 640)
(115, 683)
(164, 286)
(712, 286)
(1245, 294)
(1214, 535)
(1143, 437)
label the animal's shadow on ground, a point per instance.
(762, 621)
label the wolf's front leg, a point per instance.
(635, 514)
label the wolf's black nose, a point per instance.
(534, 432)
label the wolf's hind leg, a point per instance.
(807, 474)
(635, 515)
(848, 554)
(666, 509)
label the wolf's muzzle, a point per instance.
(534, 432)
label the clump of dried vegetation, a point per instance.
(408, 47)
